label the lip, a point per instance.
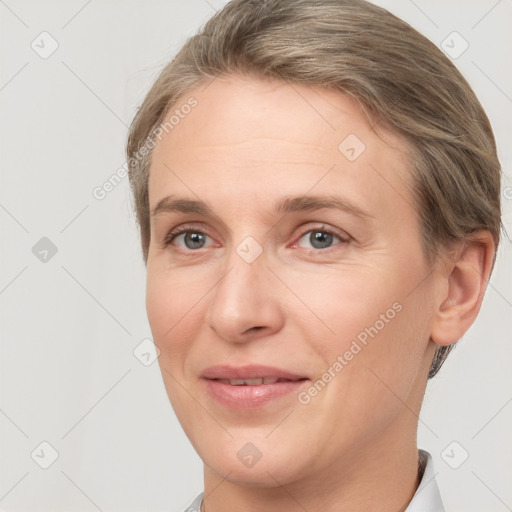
(248, 372)
(250, 396)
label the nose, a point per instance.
(245, 303)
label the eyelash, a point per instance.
(344, 238)
(179, 231)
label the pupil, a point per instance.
(320, 239)
(194, 240)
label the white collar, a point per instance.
(427, 497)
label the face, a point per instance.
(286, 246)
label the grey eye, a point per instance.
(319, 239)
(193, 239)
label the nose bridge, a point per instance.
(241, 299)
(245, 262)
(240, 289)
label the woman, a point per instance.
(317, 191)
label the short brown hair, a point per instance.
(395, 73)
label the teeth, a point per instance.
(237, 382)
(246, 382)
(251, 382)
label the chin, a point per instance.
(251, 464)
(263, 475)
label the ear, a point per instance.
(467, 274)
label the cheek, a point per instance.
(348, 304)
(382, 342)
(371, 325)
(173, 306)
(173, 310)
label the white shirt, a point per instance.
(427, 497)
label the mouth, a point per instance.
(256, 382)
(250, 387)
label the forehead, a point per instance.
(258, 137)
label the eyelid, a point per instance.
(193, 227)
(173, 233)
(341, 234)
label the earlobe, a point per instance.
(466, 278)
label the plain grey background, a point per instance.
(71, 76)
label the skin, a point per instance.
(353, 447)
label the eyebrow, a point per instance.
(287, 204)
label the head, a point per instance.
(268, 116)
